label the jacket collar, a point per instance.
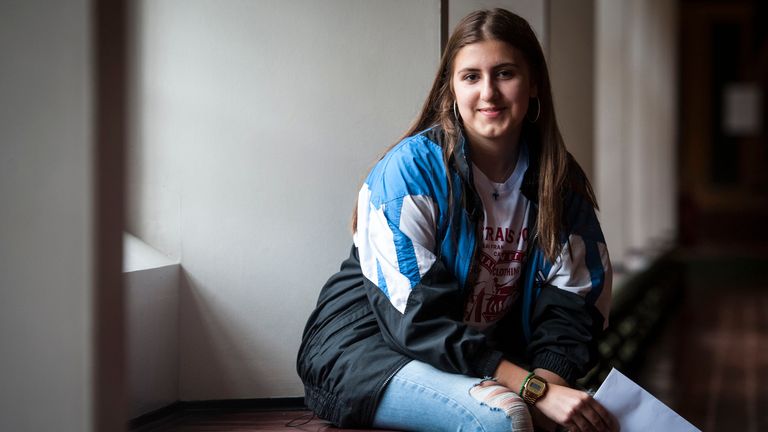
(461, 158)
(530, 187)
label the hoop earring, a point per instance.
(538, 109)
(455, 114)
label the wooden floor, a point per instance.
(710, 362)
(241, 421)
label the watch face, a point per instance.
(536, 386)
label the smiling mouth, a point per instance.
(493, 111)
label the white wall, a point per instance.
(635, 124)
(254, 125)
(46, 226)
(610, 119)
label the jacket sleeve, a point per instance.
(573, 302)
(416, 299)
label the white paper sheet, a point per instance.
(636, 409)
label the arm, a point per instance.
(561, 404)
(417, 300)
(570, 313)
(573, 302)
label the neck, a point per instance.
(495, 158)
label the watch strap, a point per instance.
(525, 381)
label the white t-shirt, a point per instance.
(504, 240)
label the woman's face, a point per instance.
(492, 84)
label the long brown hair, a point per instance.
(557, 169)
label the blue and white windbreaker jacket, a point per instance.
(401, 294)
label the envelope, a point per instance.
(636, 409)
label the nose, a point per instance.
(489, 90)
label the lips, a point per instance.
(491, 112)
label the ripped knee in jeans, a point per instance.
(489, 392)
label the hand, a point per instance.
(576, 410)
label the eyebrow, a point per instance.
(498, 66)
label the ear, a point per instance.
(534, 90)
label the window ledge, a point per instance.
(138, 256)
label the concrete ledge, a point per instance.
(138, 255)
(151, 282)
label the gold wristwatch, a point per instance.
(534, 389)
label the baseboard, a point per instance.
(263, 404)
(155, 415)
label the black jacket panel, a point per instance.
(432, 329)
(343, 355)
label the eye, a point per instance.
(471, 77)
(505, 74)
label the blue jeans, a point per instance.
(422, 398)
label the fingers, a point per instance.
(579, 423)
(607, 418)
(594, 417)
(590, 416)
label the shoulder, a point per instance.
(414, 166)
(421, 151)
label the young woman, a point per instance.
(477, 255)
